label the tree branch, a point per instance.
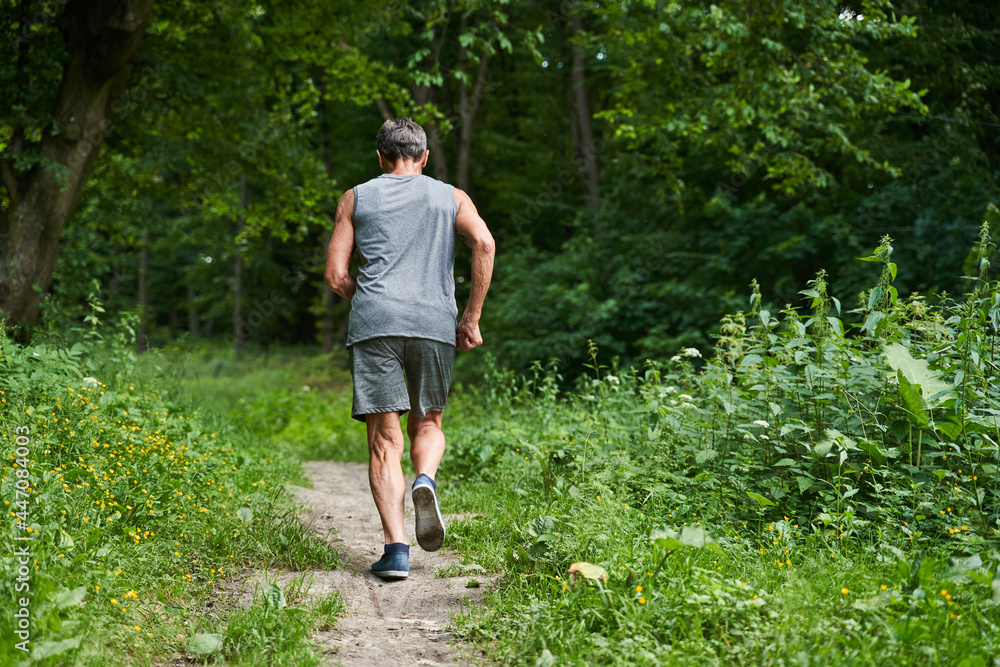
(383, 109)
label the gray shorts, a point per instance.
(396, 374)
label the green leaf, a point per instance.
(875, 295)
(274, 598)
(874, 452)
(873, 320)
(913, 403)
(761, 500)
(50, 648)
(917, 371)
(694, 536)
(665, 539)
(690, 536)
(204, 644)
(244, 514)
(69, 598)
(785, 462)
(823, 447)
(588, 571)
(705, 455)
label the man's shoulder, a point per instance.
(435, 183)
(370, 181)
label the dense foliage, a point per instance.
(804, 495)
(665, 471)
(638, 162)
(137, 506)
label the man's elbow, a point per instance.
(485, 245)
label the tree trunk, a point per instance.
(100, 36)
(467, 112)
(174, 315)
(193, 319)
(588, 150)
(239, 334)
(383, 109)
(425, 95)
(143, 294)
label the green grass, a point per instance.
(816, 493)
(734, 604)
(146, 494)
(300, 401)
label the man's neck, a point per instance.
(405, 168)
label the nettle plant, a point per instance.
(893, 419)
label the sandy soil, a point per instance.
(387, 623)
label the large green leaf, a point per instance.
(917, 371)
(873, 450)
(913, 402)
(761, 500)
(50, 648)
(274, 597)
(689, 536)
(666, 539)
(204, 644)
(68, 598)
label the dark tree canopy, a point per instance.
(639, 163)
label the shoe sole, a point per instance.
(430, 523)
(391, 574)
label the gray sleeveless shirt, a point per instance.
(404, 230)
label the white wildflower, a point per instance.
(691, 352)
(90, 382)
(669, 390)
(685, 397)
(612, 378)
(676, 357)
(761, 422)
(306, 387)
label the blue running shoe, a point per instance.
(430, 523)
(392, 566)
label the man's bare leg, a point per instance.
(426, 442)
(385, 473)
(426, 450)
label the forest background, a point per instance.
(638, 162)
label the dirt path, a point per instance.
(387, 623)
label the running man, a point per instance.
(402, 331)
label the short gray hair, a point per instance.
(401, 137)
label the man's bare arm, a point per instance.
(338, 254)
(474, 232)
